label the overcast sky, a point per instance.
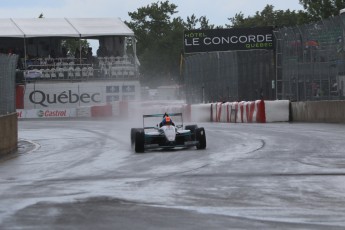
(217, 11)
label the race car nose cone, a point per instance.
(171, 143)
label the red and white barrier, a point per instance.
(241, 112)
(259, 111)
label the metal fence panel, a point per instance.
(312, 61)
(8, 65)
(229, 76)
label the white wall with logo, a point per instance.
(46, 113)
(78, 94)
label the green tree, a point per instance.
(269, 17)
(321, 9)
(73, 44)
(158, 41)
(193, 23)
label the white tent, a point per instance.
(82, 28)
(9, 29)
(46, 27)
(95, 27)
(63, 27)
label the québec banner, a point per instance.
(42, 95)
(197, 41)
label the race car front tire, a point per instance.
(200, 136)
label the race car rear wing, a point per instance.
(161, 116)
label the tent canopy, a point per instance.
(63, 27)
(9, 29)
(93, 27)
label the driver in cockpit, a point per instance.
(166, 121)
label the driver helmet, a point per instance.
(167, 120)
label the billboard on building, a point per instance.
(196, 41)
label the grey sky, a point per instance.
(217, 11)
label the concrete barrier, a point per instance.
(201, 112)
(277, 111)
(8, 133)
(318, 111)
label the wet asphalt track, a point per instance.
(84, 175)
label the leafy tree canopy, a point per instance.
(269, 17)
(202, 22)
(321, 9)
(159, 39)
(73, 45)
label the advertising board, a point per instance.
(46, 113)
(77, 94)
(196, 41)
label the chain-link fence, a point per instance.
(8, 65)
(229, 76)
(311, 61)
(308, 64)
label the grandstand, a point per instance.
(39, 42)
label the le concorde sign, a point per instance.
(196, 41)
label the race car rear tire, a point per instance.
(192, 129)
(200, 136)
(140, 141)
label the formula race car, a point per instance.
(167, 135)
